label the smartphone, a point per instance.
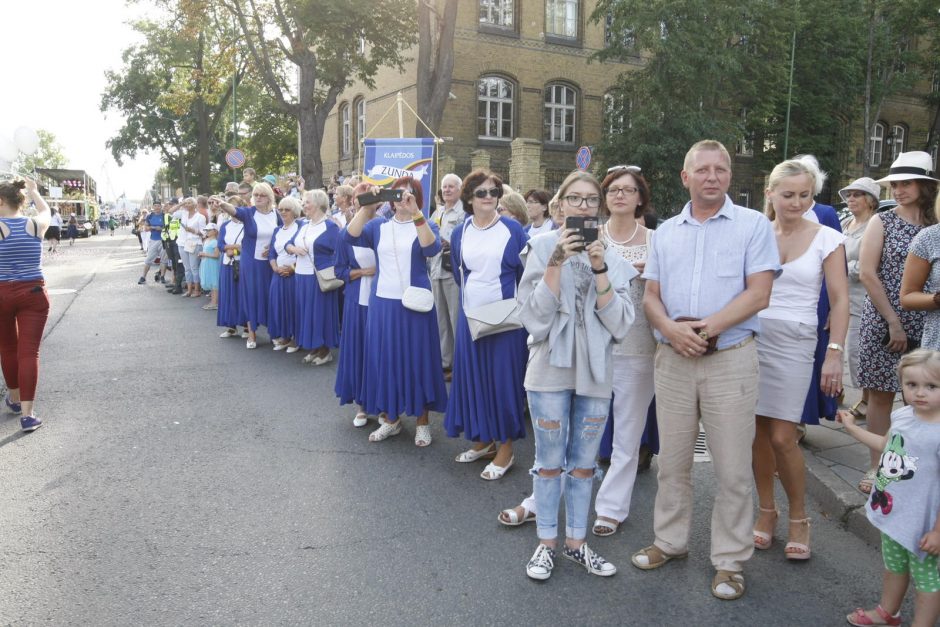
(384, 195)
(586, 227)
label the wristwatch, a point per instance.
(835, 347)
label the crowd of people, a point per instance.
(569, 311)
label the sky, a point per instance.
(61, 49)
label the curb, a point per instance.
(839, 500)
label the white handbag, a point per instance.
(418, 299)
(492, 318)
(327, 280)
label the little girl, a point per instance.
(905, 499)
(209, 268)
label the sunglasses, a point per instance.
(854, 194)
(493, 192)
(635, 169)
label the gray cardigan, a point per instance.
(565, 352)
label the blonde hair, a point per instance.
(574, 177)
(289, 202)
(514, 203)
(319, 199)
(343, 190)
(928, 359)
(786, 169)
(264, 188)
(705, 144)
(818, 175)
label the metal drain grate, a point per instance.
(701, 448)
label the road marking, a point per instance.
(60, 291)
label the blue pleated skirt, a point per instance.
(352, 353)
(255, 278)
(487, 397)
(230, 312)
(282, 303)
(403, 374)
(316, 314)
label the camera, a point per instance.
(384, 195)
(585, 226)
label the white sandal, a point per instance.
(361, 419)
(422, 436)
(492, 472)
(472, 455)
(513, 517)
(386, 430)
(604, 524)
(251, 344)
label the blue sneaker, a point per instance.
(30, 423)
(16, 408)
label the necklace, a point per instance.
(395, 219)
(483, 228)
(624, 242)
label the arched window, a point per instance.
(360, 119)
(897, 140)
(494, 108)
(560, 109)
(876, 144)
(345, 128)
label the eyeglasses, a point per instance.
(592, 202)
(532, 201)
(635, 169)
(854, 194)
(626, 191)
(493, 192)
(285, 210)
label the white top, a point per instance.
(196, 222)
(640, 340)
(795, 293)
(266, 223)
(306, 238)
(483, 251)
(56, 220)
(281, 239)
(396, 269)
(234, 234)
(365, 257)
(538, 230)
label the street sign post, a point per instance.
(583, 159)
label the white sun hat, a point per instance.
(864, 184)
(916, 164)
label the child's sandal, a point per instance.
(861, 618)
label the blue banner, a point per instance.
(390, 159)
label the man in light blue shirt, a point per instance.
(709, 271)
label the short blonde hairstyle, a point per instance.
(289, 202)
(514, 203)
(343, 190)
(264, 188)
(319, 199)
(928, 359)
(783, 170)
(705, 144)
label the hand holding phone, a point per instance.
(585, 226)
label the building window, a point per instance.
(561, 18)
(896, 140)
(360, 119)
(935, 82)
(497, 13)
(494, 108)
(616, 113)
(745, 145)
(362, 45)
(559, 114)
(344, 116)
(876, 144)
(744, 198)
(626, 38)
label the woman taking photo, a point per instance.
(888, 331)
(628, 199)
(316, 317)
(230, 313)
(809, 253)
(24, 303)
(403, 374)
(282, 301)
(355, 264)
(255, 271)
(575, 302)
(487, 399)
(861, 197)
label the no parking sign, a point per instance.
(583, 159)
(235, 158)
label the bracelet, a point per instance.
(419, 220)
(609, 287)
(601, 271)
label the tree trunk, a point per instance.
(435, 62)
(311, 128)
(866, 142)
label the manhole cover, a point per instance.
(701, 448)
(59, 291)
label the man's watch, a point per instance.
(835, 347)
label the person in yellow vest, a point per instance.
(171, 229)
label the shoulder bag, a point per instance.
(492, 318)
(326, 278)
(418, 299)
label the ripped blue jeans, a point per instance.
(568, 430)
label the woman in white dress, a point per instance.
(786, 345)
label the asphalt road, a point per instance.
(183, 480)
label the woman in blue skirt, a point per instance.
(230, 313)
(255, 271)
(281, 294)
(487, 398)
(316, 313)
(355, 264)
(403, 374)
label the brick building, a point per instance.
(524, 95)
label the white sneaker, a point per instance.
(228, 333)
(360, 420)
(542, 562)
(594, 563)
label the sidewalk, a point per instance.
(835, 462)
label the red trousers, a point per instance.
(24, 308)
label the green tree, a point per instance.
(48, 155)
(307, 51)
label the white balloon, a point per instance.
(7, 149)
(26, 139)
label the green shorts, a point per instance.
(900, 561)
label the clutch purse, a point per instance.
(327, 280)
(503, 315)
(712, 341)
(418, 299)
